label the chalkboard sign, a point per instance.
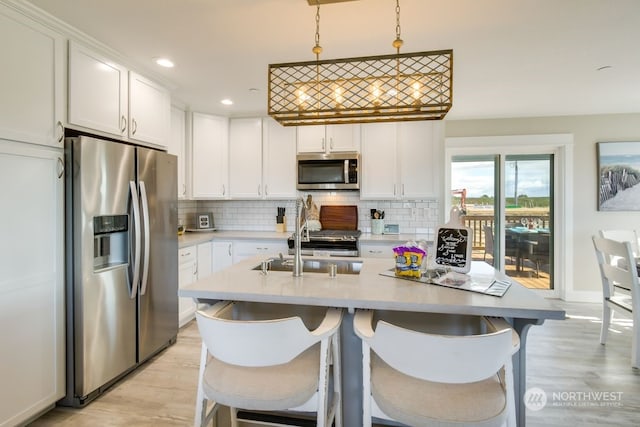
(453, 247)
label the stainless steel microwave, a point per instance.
(334, 171)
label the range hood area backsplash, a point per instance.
(415, 216)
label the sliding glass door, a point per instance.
(509, 202)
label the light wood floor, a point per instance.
(563, 356)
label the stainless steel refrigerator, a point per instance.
(122, 263)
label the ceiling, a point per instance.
(512, 58)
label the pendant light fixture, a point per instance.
(387, 88)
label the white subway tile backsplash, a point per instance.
(260, 215)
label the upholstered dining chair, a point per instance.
(622, 274)
(269, 357)
(431, 379)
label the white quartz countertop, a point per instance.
(367, 290)
(193, 238)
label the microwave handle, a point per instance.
(346, 171)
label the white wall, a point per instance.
(586, 220)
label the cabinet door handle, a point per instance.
(224, 190)
(184, 189)
(403, 189)
(123, 121)
(259, 190)
(229, 249)
(331, 143)
(323, 144)
(266, 192)
(185, 254)
(394, 189)
(375, 252)
(134, 126)
(61, 128)
(60, 167)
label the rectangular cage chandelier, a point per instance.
(397, 87)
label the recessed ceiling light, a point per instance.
(226, 102)
(164, 62)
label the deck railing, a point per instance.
(478, 222)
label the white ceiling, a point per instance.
(512, 58)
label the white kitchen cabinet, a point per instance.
(278, 160)
(32, 286)
(32, 104)
(379, 161)
(205, 259)
(187, 274)
(107, 97)
(98, 91)
(149, 111)
(222, 254)
(177, 147)
(209, 156)
(401, 160)
(262, 159)
(244, 249)
(245, 159)
(419, 159)
(328, 138)
(377, 249)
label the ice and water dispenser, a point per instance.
(110, 241)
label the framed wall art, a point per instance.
(618, 176)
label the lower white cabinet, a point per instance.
(222, 254)
(187, 274)
(244, 249)
(32, 292)
(377, 249)
(205, 259)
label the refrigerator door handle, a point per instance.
(133, 291)
(145, 214)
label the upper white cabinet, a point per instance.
(379, 161)
(245, 158)
(177, 147)
(420, 159)
(32, 286)
(98, 91)
(32, 80)
(149, 110)
(209, 156)
(262, 159)
(401, 160)
(329, 138)
(107, 97)
(278, 160)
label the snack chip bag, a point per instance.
(408, 260)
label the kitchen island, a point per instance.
(368, 289)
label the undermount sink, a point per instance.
(315, 265)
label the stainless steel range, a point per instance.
(339, 234)
(330, 243)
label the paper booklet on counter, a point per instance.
(483, 284)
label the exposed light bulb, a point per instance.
(226, 101)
